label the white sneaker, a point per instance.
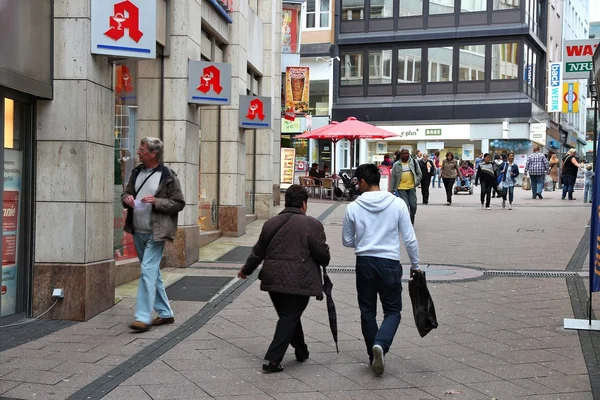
(488, 208)
(378, 365)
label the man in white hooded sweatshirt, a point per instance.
(373, 224)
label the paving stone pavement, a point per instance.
(499, 337)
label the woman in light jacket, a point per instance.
(510, 173)
(449, 172)
(554, 164)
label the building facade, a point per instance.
(73, 119)
(452, 75)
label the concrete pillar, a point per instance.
(75, 172)
(182, 127)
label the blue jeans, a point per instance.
(510, 190)
(151, 289)
(537, 185)
(379, 276)
(568, 182)
(587, 192)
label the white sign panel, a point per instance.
(124, 28)
(537, 133)
(468, 152)
(429, 132)
(434, 145)
(578, 58)
(555, 87)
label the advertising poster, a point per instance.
(288, 157)
(468, 152)
(10, 227)
(521, 160)
(297, 89)
(289, 31)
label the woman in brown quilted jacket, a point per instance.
(293, 247)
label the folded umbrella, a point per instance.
(327, 288)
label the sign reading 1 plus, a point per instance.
(577, 58)
(124, 28)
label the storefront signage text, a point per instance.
(209, 83)
(124, 28)
(537, 133)
(577, 58)
(554, 89)
(433, 132)
(570, 103)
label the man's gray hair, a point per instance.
(154, 144)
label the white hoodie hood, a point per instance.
(373, 224)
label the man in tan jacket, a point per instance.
(153, 199)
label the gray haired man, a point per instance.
(153, 199)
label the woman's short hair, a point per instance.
(295, 196)
(572, 151)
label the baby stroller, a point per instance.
(463, 185)
(350, 190)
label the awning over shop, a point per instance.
(315, 49)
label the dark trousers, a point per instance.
(568, 182)
(410, 198)
(379, 276)
(425, 189)
(289, 308)
(486, 193)
(449, 184)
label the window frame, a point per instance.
(518, 50)
(317, 13)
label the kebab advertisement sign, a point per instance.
(297, 89)
(10, 226)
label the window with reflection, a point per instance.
(441, 7)
(409, 65)
(440, 64)
(351, 72)
(506, 4)
(380, 67)
(410, 8)
(472, 63)
(504, 61)
(382, 8)
(353, 10)
(318, 13)
(473, 5)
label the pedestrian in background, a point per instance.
(486, 174)
(537, 166)
(293, 247)
(436, 163)
(373, 225)
(449, 172)
(570, 167)
(387, 161)
(427, 172)
(589, 184)
(554, 166)
(406, 176)
(511, 171)
(153, 198)
(478, 161)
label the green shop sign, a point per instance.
(433, 132)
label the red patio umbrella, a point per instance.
(352, 129)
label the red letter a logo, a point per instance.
(211, 78)
(256, 110)
(127, 16)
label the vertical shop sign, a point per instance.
(10, 227)
(289, 30)
(555, 87)
(288, 158)
(255, 112)
(124, 28)
(297, 89)
(209, 83)
(570, 103)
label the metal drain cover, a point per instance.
(434, 272)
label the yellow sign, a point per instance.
(570, 97)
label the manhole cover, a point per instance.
(197, 288)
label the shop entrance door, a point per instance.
(16, 127)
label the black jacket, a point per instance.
(423, 166)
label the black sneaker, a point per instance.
(540, 196)
(302, 353)
(271, 368)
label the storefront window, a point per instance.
(506, 4)
(318, 103)
(409, 8)
(353, 10)
(409, 65)
(441, 7)
(382, 8)
(125, 150)
(472, 63)
(12, 266)
(440, 64)
(504, 61)
(352, 64)
(473, 5)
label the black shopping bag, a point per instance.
(422, 304)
